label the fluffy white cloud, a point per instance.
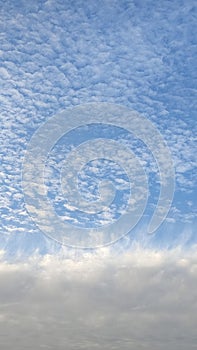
(138, 300)
(57, 54)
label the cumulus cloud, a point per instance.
(57, 54)
(137, 300)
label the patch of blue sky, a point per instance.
(58, 54)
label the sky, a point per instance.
(98, 174)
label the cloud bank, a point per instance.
(142, 300)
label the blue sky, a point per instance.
(57, 55)
(128, 69)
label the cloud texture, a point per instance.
(142, 300)
(57, 54)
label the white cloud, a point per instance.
(138, 300)
(57, 54)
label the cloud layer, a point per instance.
(142, 300)
(57, 54)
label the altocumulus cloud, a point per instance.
(133, 301)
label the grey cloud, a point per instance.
(142, 300)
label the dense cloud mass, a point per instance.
(142, 300)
